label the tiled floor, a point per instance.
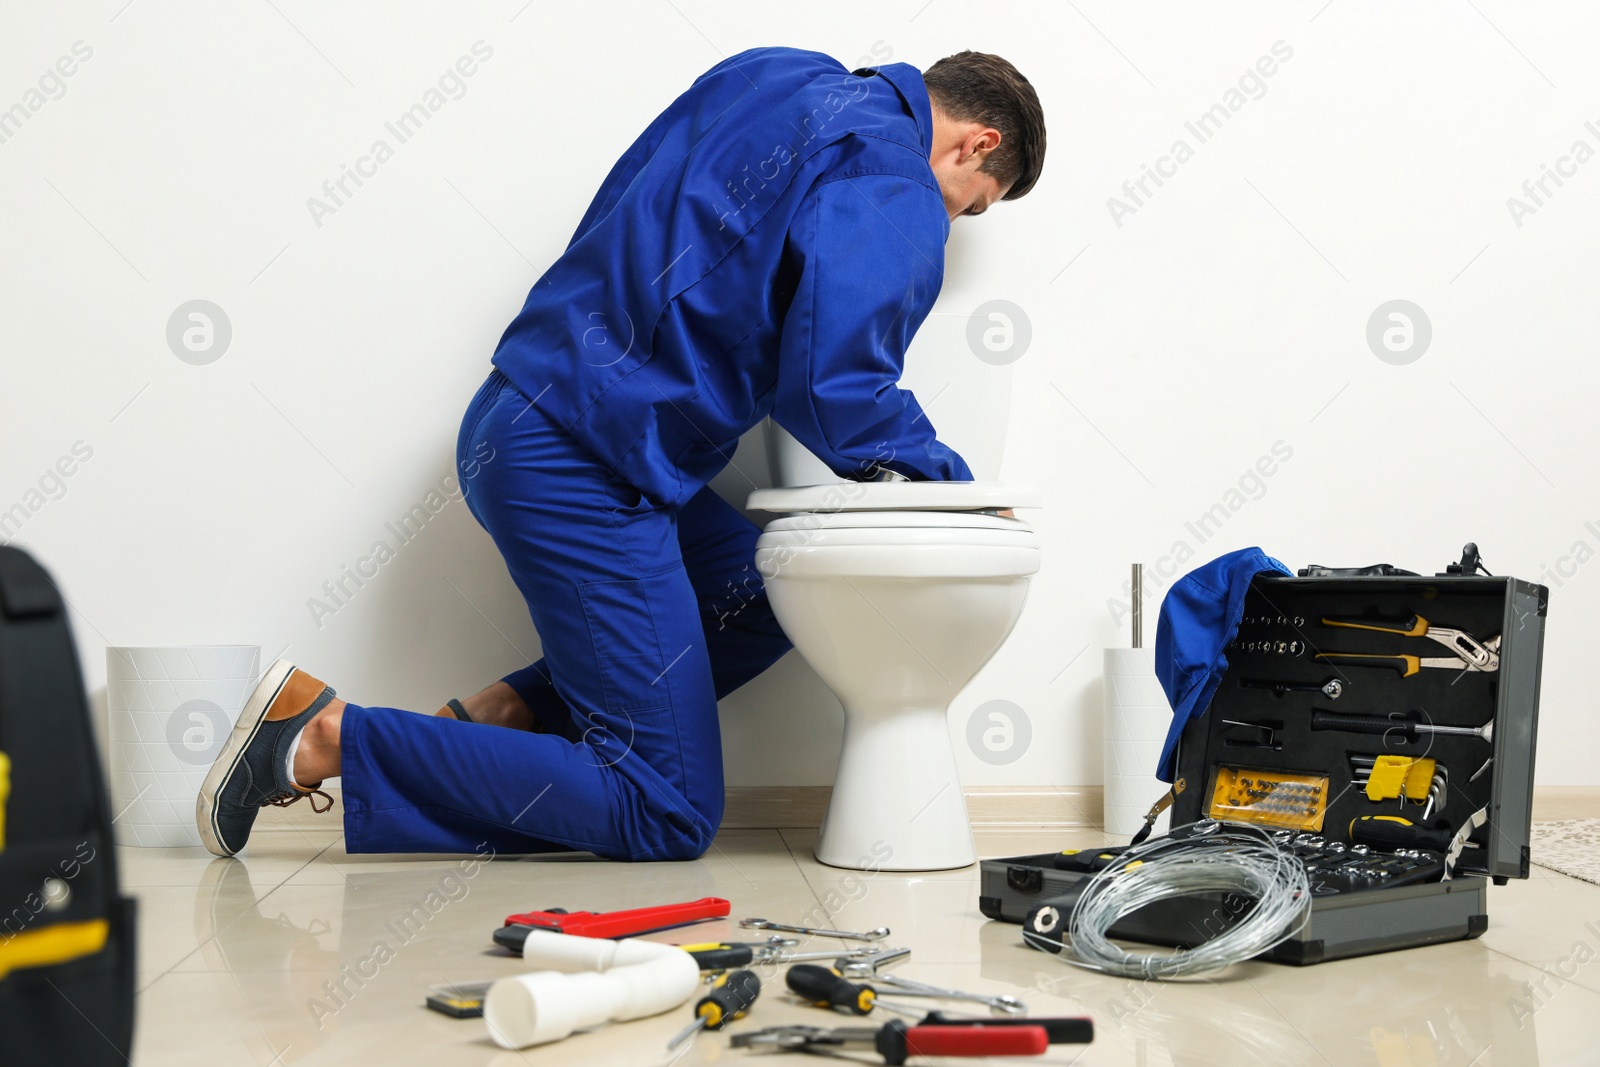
(296, 955)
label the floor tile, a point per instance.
(274, 959)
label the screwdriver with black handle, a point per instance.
(1409, 728)
(721, 955)
(730, 997)
(828, 988)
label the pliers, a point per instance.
(1467, 652)
(895, 1041)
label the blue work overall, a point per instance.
(768, 246)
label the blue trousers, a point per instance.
(647, 616)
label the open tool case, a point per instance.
(1278, 749)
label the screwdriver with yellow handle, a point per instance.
(729, 999)
(1467, 652)
(829, 989)
(1392, 831)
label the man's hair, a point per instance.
(978, 87)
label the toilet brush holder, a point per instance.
(1137, 716)
(1136, 721)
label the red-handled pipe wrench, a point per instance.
(608, 923)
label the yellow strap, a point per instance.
(52, 944)
(5, 793)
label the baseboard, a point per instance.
(1552, 803)
(991, 807)
(759, 807)
(1028, 807)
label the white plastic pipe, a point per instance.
(588, 981)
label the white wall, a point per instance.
(1171, 348)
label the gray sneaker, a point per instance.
(250, 773)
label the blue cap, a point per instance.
(1199, 618)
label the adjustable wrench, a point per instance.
(849, 935)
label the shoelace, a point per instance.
(283, 800)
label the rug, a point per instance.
(1571, 846)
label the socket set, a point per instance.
(1254, 621)
(1335, 867)
(1266, 644)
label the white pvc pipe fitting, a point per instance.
(587, 981)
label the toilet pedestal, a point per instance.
(897, 594)
(897, 802)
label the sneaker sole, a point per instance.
(244, 732)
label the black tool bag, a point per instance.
(66, 934)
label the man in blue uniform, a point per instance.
(768, 246)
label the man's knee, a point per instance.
(683, 831)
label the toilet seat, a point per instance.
(896, 496)
(902, 550)
(943, 543)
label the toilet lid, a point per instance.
(896, 496)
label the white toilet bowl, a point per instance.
(896, 594)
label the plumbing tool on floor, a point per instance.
(849, 935)
(895, 1041)
(1467, 653)
(869, 968)
(1058, 1029)
(722, 955)
(827, 988)
(730, 998)
(629, 923)
(1410, 726)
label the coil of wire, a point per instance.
(1203, 859)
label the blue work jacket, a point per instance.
(769, 245)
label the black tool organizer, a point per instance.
(1280, 641)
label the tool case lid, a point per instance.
(1283, 610)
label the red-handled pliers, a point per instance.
(896, 1041)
